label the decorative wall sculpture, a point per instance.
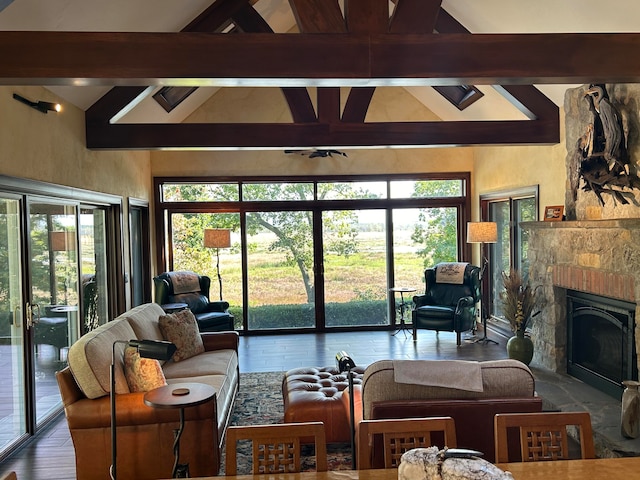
(601, 157)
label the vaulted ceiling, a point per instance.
(124, 53)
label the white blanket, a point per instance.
(458, 374)
(451, 272)
(184, 282)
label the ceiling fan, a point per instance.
(316, 152)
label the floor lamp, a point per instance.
(217, 238)
(346, 364)
(483, 232)
(158, 349)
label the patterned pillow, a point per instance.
(181, 329)
(142, 374)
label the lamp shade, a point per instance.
(482, 232)
(156, 349)
(217, 238)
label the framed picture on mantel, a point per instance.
(553, 213)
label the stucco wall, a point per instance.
(52, 148)
(507, 167)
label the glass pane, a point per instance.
(351, 190)
(200, 192)
(93, 249)
(426, 188)
(190, 253)
(499, 212)
(280, 270)
(54, 295)
(138, 260)
(274, 192)
(525, 212)
(12, 389)
(435, 235)
(355, 279)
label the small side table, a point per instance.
(402, 306)
(179, 395)
(174, 307)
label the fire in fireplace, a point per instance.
(601, 347)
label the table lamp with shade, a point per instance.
(155, 349)
(482, 232)
(217, 238)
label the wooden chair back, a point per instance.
(543, 435)
(276, 448)
(400, 435)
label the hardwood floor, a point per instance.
(50, 454)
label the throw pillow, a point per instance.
(142, 374)
(181, 329)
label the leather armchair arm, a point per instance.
(422, 300)
(220, 340)
(464, 302)
(217, 306)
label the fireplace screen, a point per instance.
(601, 347)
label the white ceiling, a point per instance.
(479, 16)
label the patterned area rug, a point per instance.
(259, 402)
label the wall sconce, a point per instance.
(158, 349)
(41, 106)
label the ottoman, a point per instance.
(315, 394)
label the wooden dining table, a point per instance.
(613, 468)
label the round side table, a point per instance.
(179, 395)
(173, 307)
(403, 306)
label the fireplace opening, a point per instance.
(601, 346)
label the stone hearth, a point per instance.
(599, 257)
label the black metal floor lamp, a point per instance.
(482, 232)
(346, 364)
(158, 349)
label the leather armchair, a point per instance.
(211, 316)
(449, 307)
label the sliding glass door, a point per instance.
(53, 303)
(13, 408)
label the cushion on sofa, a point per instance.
(142, 374)
(181, 329)
(90, 358)
(144, 321)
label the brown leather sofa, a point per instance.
(144, 434)
(507, 386)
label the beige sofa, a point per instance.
(507, 386)
(144, 434)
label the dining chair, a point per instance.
(276, 448)
(398, 436)
(542, 435)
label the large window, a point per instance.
(313, 253)
(508, 209)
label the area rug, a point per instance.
(259, 402)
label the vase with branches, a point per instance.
(519, 306)
(519, 301)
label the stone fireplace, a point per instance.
(597, 251)
(596, 257)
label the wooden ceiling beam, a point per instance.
(141, 59)
(280, 136)
(415, 16)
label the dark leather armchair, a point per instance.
(445, 306)
(211, 316)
